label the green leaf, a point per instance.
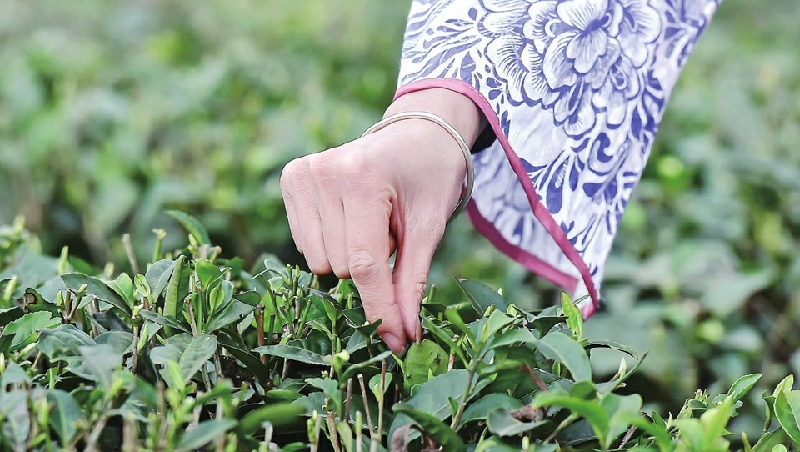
(16, 423)
(205, 432)
(573, 315)
(65, 414)
(62, 341)
(23, 330)
(192, 226)
(435, 428)
(231, 313)
(94, 286)
(119, 341)
(742, 386)
(787, 410)
(433, 396)
(423, 359)
(177, 289)
(480, 410)
(277, 415)
(331, 389)
(482, 296)
(123, 286)
(567, 351)
(14, 375)
(158, 276)
(208, 273)
(620, 410)
(587, 409)
(514, 336)
(502, 423)
(769, 441)
(171, 322)
(99, 363)
(291, 352)
(190, 353)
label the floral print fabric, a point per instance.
(574, 90)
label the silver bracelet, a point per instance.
(470, 178)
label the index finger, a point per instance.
(367, 215)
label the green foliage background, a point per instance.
(112, 112)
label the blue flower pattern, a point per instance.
(578, 87)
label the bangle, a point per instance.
(470, 177)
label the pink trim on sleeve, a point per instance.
(541, 213)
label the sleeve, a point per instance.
(574, 91)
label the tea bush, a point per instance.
(112, 112)
(191, 352)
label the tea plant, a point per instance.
(194, 352)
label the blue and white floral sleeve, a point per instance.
(574, 91)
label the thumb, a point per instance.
(412, 266)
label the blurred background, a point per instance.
(112, 112)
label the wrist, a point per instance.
(457, 109)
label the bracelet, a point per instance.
(470, 178)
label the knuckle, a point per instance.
(363, 266)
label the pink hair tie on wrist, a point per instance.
(470, 178)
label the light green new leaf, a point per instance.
(420, 359)
(574, 317)
(567, 351)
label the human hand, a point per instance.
(351, 207)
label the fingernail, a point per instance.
(394, 343)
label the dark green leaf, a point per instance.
(99, 362)
(564, 349)
(480, 410)
(62, 341)
(95, 287)
(119, 341)
(205, 432)
(158, 275)
(231, 313)
(65, 414)
(23, 330)
(171, 322)
(277, 415)
(177, 289)
(192, 226)
(291, 352)
(482, 296)
(502, 423)
(435, 428)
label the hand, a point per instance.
(351, 207)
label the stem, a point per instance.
(473, 366)
(126, 242)
(135, 357)
(160, 234)
(334, 433)
(536, 378)
(349, 397)
(381, 399)
(91, 442)
(260, 328)
(366, 402)
(359, 432)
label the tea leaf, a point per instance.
(291, 352)
(277, 415)
(480, 410)
(564, 349)
(500, 422)
(65, 414)
(205, 432)
(482, 296)
(787, 410)
(435, 428)
(158, 275)
(94, 286)
(192, 226)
